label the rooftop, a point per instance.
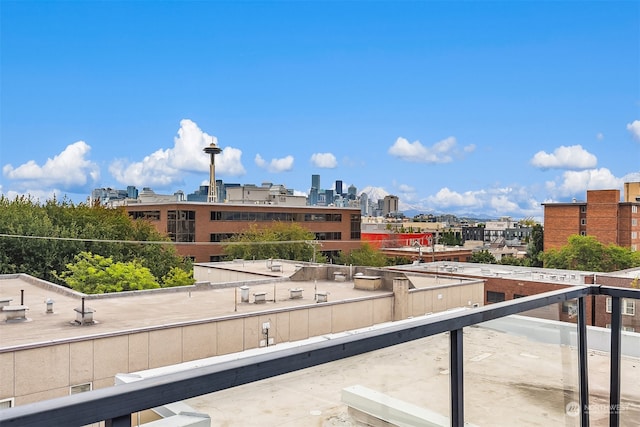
(127, 311)
(509, 380)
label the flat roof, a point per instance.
(249, 205)
(142, 309)
(546, 275)
(509, 380)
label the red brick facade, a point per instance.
(602, 216)
(205, 225)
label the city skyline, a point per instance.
(455, 107)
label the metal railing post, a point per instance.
(456, 377)
(616, 338)
(121, 421)
(582, 361)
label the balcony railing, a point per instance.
(116, 404)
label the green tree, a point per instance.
(483, 257)
(587, 253)
(451, 238)
(41, 239)
(95, 274)
(535, 246)
(177, 277)
(279, 240)
(366, 255)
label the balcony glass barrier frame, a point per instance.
(114, 405)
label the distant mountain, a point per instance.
(377, 193)
(410, 210)
(374, 193)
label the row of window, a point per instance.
(241, 216)
(570, 307)
(324, 235)
(634, 221)
(274, 216)
(181, 224)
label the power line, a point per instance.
(157, 242)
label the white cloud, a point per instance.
(165, 167)
(259, 161)
(502, 203)
(576, 183)
(284, 164)
(634, 128)
(573, 157)
(70, 170)
(632, 177)
(514, 201)
(38, 195)
(440, 152)
(406, 188)
(600, 136)
(324, 160)
(446, 198)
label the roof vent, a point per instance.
(84, 315)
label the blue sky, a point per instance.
(469, 107)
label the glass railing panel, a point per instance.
(522, 370)
(629, 408)
(406, 382)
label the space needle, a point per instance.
(212, 150)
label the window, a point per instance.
(355, 226)
(583, 221)
(80, 388)
(181, 226)
(628, 306)
(148, 215)
(220, 237)
(328, 235)
(583, 233)
(570, 308)
(634, 209)
(6, 403)
(634, 234)
(634, 222)
(495, 296)
(583, 209)
(628, 329)
(516, 296)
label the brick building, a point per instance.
(199, 229)
(505, 283)
(603, 216)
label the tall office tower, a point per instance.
(328, 197)
(315, 182)
(352, 192)
(339, 187)
(313, 197)
(389, 205)
(364, 204)
(132, 192)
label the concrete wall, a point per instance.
(37, 372)
(47, 371)
(220, 275)
(441, 298)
